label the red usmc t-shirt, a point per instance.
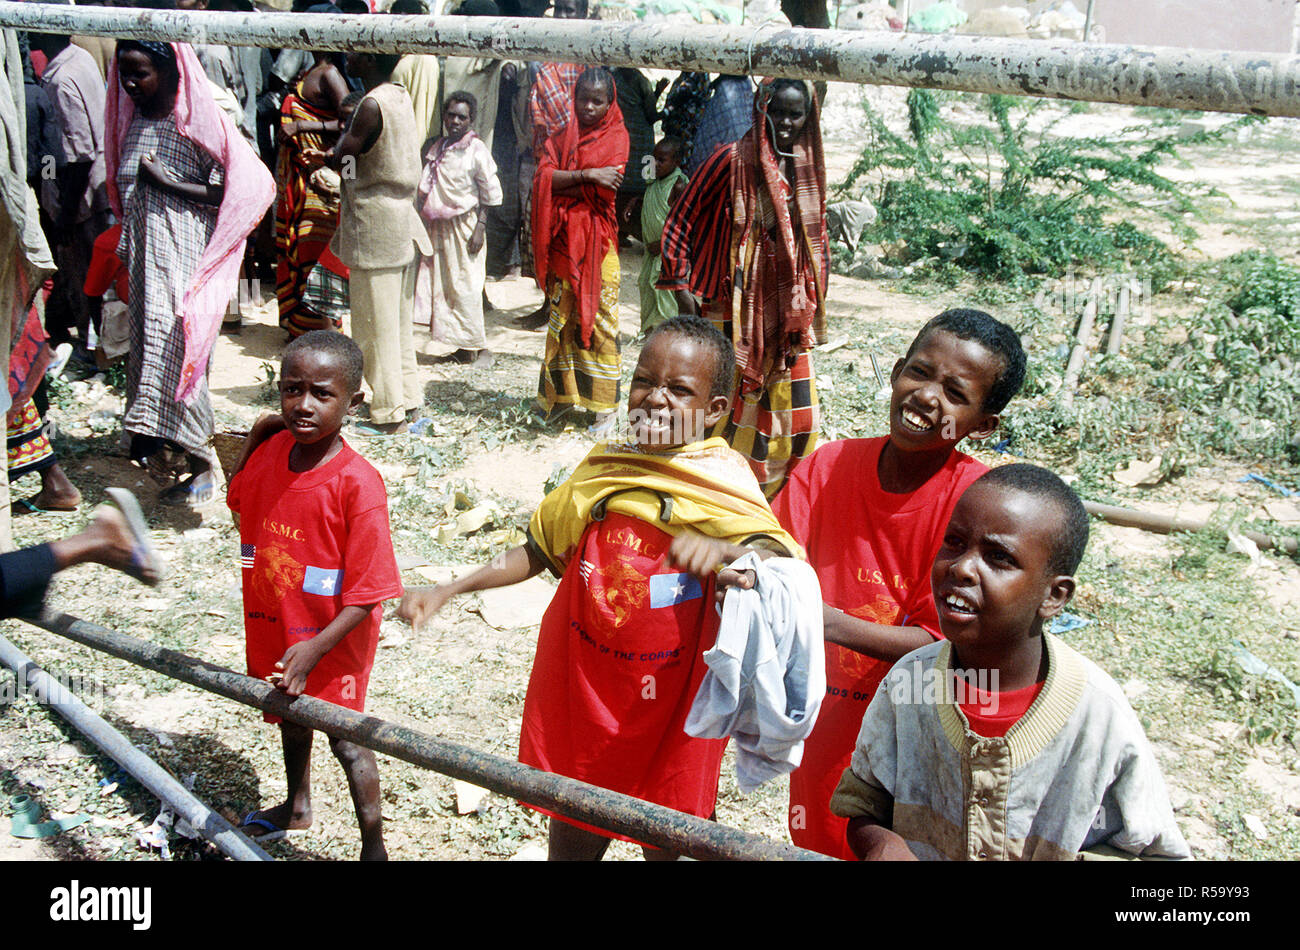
(872, 551)
(312, 543)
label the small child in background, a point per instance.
(458, 185)
(317, 562)
(1018, 748)
(670, 181)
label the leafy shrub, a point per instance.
(1005, 201)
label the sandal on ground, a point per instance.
(145, 565)
(604, 426)
(194, 492)
(28, 506)
(261, 830)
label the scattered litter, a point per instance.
(469, 798)
(25, 819)
(1283, 512)
(407, 562)
(529, 852)
(1255, 826)
(1240, 544)
(391, 634)
(200, 534)
(419, 425)
(825, 384)
(1268, 483)
(1140, 474)
(164, 740)
(1134, 688)
(520, 605)
(1257, 667)
(1065, 622)
(833, 345)
(157, 835)
(153, 603)
(108, 785)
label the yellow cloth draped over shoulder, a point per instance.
(711, 487)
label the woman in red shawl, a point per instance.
(575, 240)
(756, 211)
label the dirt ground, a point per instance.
(464, 678)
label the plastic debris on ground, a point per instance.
(1065, 622)
(157, 835)
(25, 819)
(1269, 483)
(1257, 667)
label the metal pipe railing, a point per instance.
(1260, 83)
(643, 821)
(51, 693)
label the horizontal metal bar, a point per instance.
(50, 692)
(1261, 83)
(643, 821)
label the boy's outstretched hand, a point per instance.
(420, 603)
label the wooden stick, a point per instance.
(1116, 338)
(1167, 524)
(1082, 340)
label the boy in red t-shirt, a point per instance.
(317, 561)
(871, 514)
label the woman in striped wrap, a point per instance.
(748, 239)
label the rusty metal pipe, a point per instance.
(50, 692)
(653, 824)
(1260, 83)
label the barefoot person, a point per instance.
(459, 184)
(317, 562)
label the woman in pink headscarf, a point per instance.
(188, 190)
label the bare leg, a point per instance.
(567, 843)
(295, 811)
(363, 781)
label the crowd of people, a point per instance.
(400, 187)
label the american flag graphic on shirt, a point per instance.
(246, 552)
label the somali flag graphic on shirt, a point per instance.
(321, 580)
(669, 589)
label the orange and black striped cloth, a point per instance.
(305, 219)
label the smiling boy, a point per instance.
(635, 536)
(317, 562)
(1050, 763)
(871, 513)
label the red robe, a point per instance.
(573, 232)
